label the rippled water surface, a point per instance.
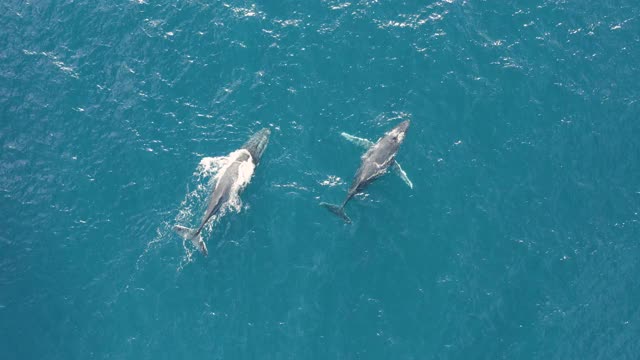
(519, 240)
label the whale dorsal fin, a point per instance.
(366, 144)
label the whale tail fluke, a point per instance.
(192, 235)
(338, 210)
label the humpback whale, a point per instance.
(375, 162)
(231, 180)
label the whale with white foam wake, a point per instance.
(231, 179)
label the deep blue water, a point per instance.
(520, 239)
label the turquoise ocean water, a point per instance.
(520, 239)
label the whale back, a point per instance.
(379, 157)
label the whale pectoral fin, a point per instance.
(403, 175)
(363, 143)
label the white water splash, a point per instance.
(331, 181)
(245, 172)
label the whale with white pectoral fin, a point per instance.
(231, 180)
(375, 162)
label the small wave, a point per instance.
(246, 12)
